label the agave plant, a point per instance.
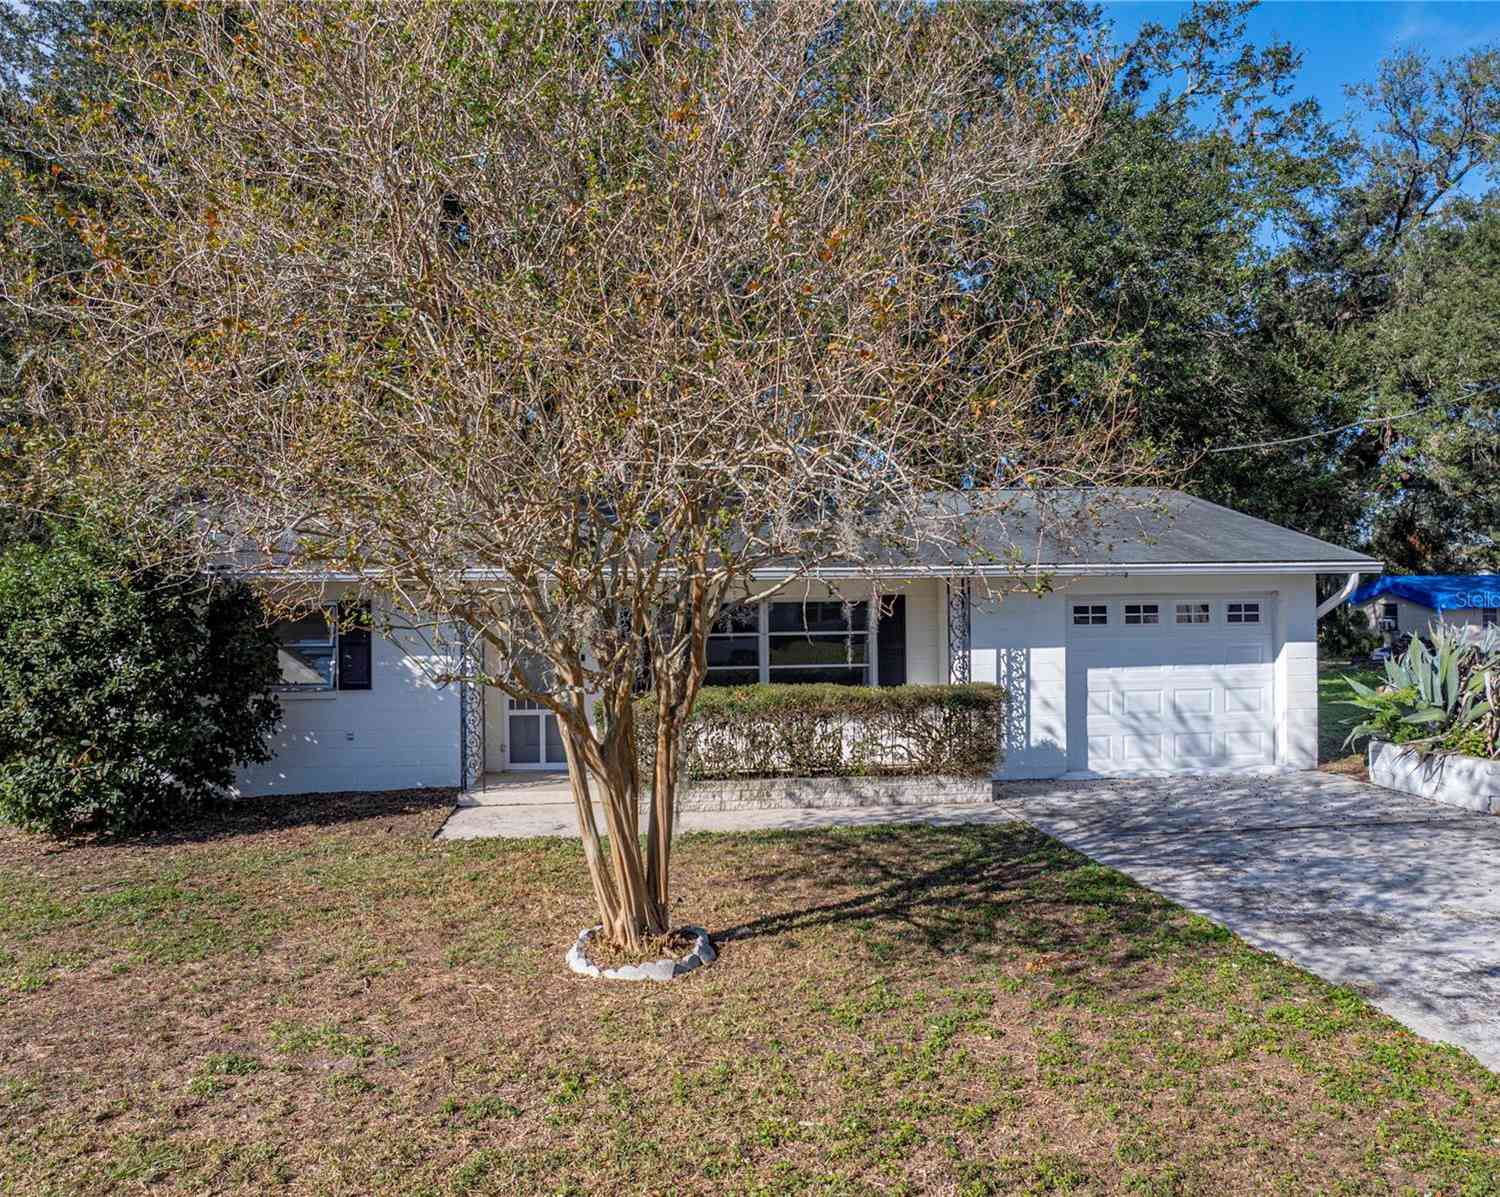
(1436, 696)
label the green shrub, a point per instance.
(1441, 699)
(1388, 712)
(835, 731)
(126, 697)
(1345, 634)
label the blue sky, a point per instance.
(1343, 41)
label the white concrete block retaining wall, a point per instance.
(1463, 781)
(816, 793)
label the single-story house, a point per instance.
(1184, 642)
(1410, 603)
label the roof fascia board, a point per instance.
(1183, 568)
(1168, 568)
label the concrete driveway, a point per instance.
(1396, 897)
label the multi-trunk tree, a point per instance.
(561, 322)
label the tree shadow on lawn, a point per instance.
(951, 890)
(407, 811)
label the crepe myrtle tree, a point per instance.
(560, 322)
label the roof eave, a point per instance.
(1100, 569)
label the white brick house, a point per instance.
(1186, 644)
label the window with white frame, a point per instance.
(1191, 613)
(818, 642)
(1138, 614)
(307, 651)
(1390, 617)
(1490, 616)
(734, 647)
(793, 641)
(325, 648)
(1090, 615)
(1242, 613)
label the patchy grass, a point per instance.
(320, 999)
(1336, 718)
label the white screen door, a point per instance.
(534, 739)
(531, 730)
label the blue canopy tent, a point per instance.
(1441, 592)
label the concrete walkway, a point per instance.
(522, 805)
(1396, 897)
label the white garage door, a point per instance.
(1169, 685)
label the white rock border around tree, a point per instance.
(665, 969)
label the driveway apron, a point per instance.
(1396, 897)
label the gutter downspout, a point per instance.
(1351, 584)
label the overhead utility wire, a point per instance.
(1312, 436)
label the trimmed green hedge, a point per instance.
(835, 731)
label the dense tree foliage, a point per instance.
(1267, 276)
(1160, 235)
(1431, 362)
(1395, 268)
(48, 62)
(1252, 271)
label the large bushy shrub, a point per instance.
(836, 731)
(126, 697)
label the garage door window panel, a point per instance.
(1242, 613)
(1142, 614)
(1194, 613)
(1090, 615)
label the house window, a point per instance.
(1243, 613)
(1491, 616)
(1142, 613)
(1090, 615)
(734, 647)
(823, 641)
(316, 655)
(1390, 620)
(818, 642)
(1194, 613)
(307, 650)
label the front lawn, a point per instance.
(320, 999)
(1336, 718)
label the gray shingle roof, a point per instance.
(1103, 528)
(1124, 526)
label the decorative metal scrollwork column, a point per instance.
(470, 708)
(958, 630)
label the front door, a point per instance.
(532, 736)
